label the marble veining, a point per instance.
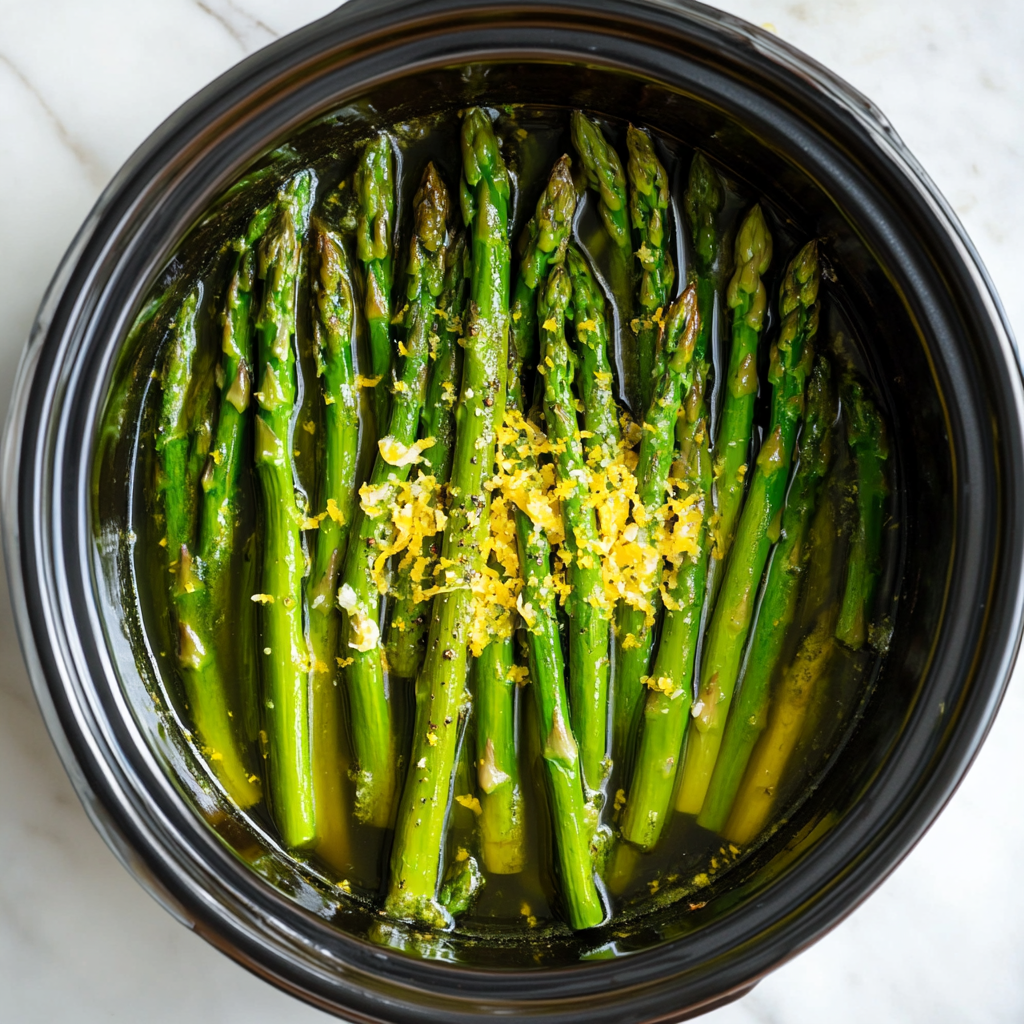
(81, 85)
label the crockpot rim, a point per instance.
(16, 443)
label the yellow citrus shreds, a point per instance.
(634, 543)
(334, 512)
(415, 517)
(663, 684)
(496, 588)
(367, 382)
(394, 453)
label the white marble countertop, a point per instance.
(81, 85)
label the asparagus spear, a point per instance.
(648, 207)
(668, 699)
(777, 608)
(363, 576)
(867, 440)
(667, 704)
(605, 176)
(758, 528)
(178, 484)
(786, 717)
(375, 189)
(570, 820)
(634, 625)
(543, 242)
(197, 615)
(496, 758)
(201, 609)
(789, 707)
(589, 623)
(286, 660)
(790, 701)
(333, 315)
(407, 628)
(593, 374)
(417, 853)
(173, 437)
(748, 300)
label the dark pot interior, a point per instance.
(906, 284)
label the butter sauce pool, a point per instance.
(517, 913)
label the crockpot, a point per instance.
(940, 357)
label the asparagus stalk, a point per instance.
(777, 609)
(634, 625)
(667, 704)
(866, 434)
(207, 704)
(593, 374)
(333, 316)
(286, 660)
(758, 528)
(173, 436)
(786, 717)
(668, 699)
(589, 622)
(496, 758)
(543, 242)
(748, 301)
(201, 609)
(375, 191)
(570, 816)
(606, 177)
(363, 577)
(418, 849)
(648, 207)
(407, 628)
(790, 702)
(789, 707)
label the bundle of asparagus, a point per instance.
(526, 483)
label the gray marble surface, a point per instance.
(81, 85)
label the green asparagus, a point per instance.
(173, 438)
(205, 676)
(286, 661)
(333, 317)
(570, 815)
(417, 853)
(778, 605)
(748, 301)
(589, 621)
(667, 704)
(787, 714)
(635, 625)
(593, 370)
(496, 758)
(648, 207)
(375, 190)
(789, 703)
(544, 241)
(867, 441)
(364, 578)
(410, 616)
(606, 177)
(758, 528)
